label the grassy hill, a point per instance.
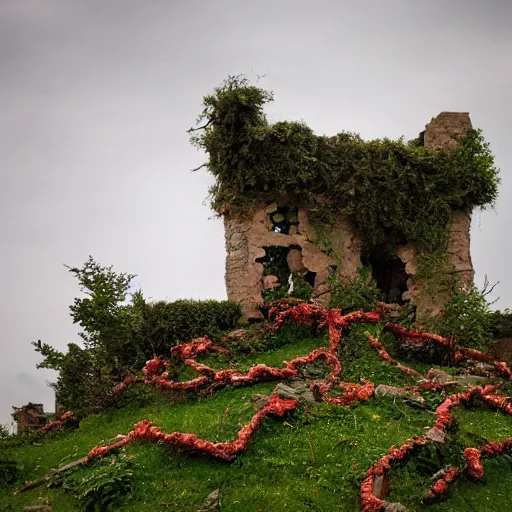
(313, 459)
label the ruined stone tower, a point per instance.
(281, 224)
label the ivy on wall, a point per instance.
(392, 191)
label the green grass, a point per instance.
(411, 480)
(312, 460)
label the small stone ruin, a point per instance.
(250, 235)
(30, 417)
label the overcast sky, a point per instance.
(96, 97)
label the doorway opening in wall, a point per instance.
(284, 274)
(389, 273)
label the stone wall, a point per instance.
(441, 133)
(247, 237)
(443, 130)
(30, 416)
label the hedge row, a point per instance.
(167, 323)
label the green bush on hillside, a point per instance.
(468, 317)
(167, 323)
(359, 293)
(121, 333)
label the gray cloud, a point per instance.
(96, 97)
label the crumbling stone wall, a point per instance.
(441, 133)
(30, 416)
(322, 250)
(443, 130)
(247, 237)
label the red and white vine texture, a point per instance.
(155, 373)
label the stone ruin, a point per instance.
(280, 224)
(30, 417)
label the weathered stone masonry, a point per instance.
(247, 236)
(441, 133)
(246, 239)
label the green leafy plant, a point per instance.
(167, 323)
(468, 317)
(502, 324)
(121, 332)
(10, 471)
(359, 293)
(103, 487)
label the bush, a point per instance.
(85, 381)
(502, 324)
(166, 324)
(103, 487)
(87, 375)
(467, 316)
(359, 293)
(121, 332)
(10, 471)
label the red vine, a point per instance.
(441, 485)
(57, 424)
(156, 374)
(145, 431)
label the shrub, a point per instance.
(467, 316)
(166, 324)
(120, 335)
(359, 293)
(10, 471)
(84, 382)
(502, 324)
(104, 486)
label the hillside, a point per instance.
(317, 455)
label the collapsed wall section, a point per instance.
(248, 236)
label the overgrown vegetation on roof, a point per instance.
(392, 191)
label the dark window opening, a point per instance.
(285, 220)
(284, 274)
(309, 277)
(389, 273)
(275, 263)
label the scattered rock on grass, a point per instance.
(381, 486)
(395, 507)
(297, 391)
(436, 434)
(212, 502)
(394, 392)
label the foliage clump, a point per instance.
(10, 471)
(105, 487)
(467, 316)
(392, 191)
(359, 293)
(121, 332)
(502, 324)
